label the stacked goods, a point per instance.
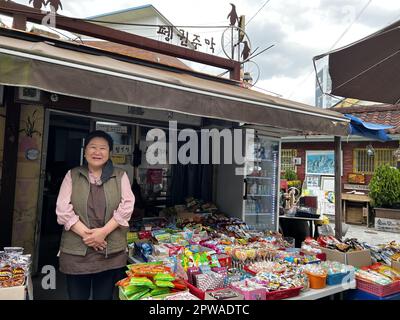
(14, 267)
(267, 267)
(149, 280)
(380, 272)
(385, 253)
(348, 245)
(274, 281)
(297, 257)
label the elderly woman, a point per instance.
(94, 205)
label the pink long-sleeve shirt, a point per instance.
(66, 215)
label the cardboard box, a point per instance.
(356, 259)
(223, 295)
(396, 265)
(359, 259)
(13, 293)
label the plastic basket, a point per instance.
(377, 289)
(283, 294)
(335, 279)
(195, 291)
(316, 282)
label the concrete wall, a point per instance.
(28, 177)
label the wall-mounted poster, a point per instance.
(312, 181)
(320, 163)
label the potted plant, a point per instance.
(292, 179)
(385, 192)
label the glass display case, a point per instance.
(260, 205)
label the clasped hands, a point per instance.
(95, 238)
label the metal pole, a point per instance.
(338, 188)
(233, 46)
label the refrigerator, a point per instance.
(252, 195)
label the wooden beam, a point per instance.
(105, 33)
(9, 173)
(19, 22)
(338, 188)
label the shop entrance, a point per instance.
(64, 152)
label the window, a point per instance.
(362, 163)
(287, 159)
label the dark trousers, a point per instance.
(100, 285)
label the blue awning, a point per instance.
(367, 129)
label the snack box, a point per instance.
(223, 295)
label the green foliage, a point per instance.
(290, 175)
(385, 187)
(30, 124)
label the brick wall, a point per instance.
(347, 148)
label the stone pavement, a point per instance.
(370, 235)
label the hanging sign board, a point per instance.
(111, 128)
(120, 149)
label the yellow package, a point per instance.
(389, 272)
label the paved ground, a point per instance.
(370, 235)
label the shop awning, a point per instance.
(45, 66)
(366, 129)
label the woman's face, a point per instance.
(97, 152)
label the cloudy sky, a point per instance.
(299, 30)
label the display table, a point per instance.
(362, 295)
(314, 294)
(310, 220)
(360, 198)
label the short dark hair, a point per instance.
(100, 134)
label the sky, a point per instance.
(299, 30)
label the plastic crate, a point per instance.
(377, 289)
(253, 294)
(283, 294)
(335, 279)
(195, 291)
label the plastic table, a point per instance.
(314, 294)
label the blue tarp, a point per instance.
(367, 129)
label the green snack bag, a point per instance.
(143, 282)
(130, 290)
(164, 284)
(139, 295)
(159, 291)
(164, 277)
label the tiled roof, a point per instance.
(380, 114)
(139, 54)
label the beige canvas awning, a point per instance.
(42, 65)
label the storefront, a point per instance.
(74, 90)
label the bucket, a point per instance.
(317, 281)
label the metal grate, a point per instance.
(287, 159)
(363, 163)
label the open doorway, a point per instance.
(64, 151)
